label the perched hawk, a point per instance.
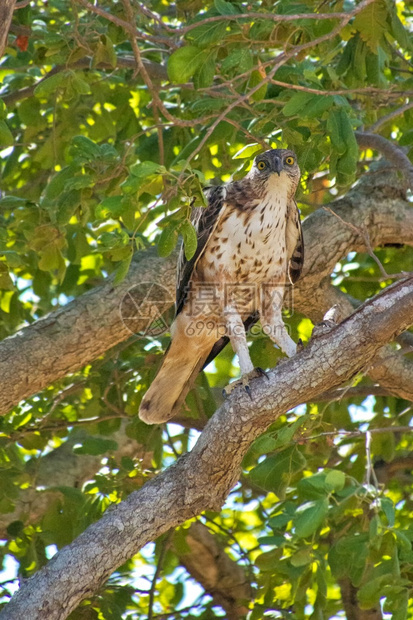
(249, 246)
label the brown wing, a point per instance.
(204, 220)
(295, 243)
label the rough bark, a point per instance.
(6, 15)
(201, 479)
(375, 212)
(74, 335)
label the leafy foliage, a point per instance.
(105, 146)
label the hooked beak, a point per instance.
(277, 166)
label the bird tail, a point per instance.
(182, 362)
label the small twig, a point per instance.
(21, 4)
(270, 17)
(171, 443)
(164, 549)
(371, 478)
(359, 433)
(388, 117)
(350, 91)
(390, 276)
(128, 27)
(363, 233)
(247, 133)
(352, 392)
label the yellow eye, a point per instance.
(261, 165)
(289, 160)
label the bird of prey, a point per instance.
(250, 246)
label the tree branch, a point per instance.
(85, 328)
(6, 15)
(202, 479)
(224, 579)
(388, 117)
(392, 152)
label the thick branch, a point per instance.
(392, 152)
(74, 335)
(394, 373)
(85, 328)
(201, 479)
(221, 577)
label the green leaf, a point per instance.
(167, 241)
(313, 487)
(225, 8)
(297, 102)
(207, 105)
(240, 59)
(318, 105)
(275, 472)
(86, 148)
(95, 446)
(58, 184)
(400, 33)
(114, 239)
(204, 75)
(79, 182)
(110, 207)
(310, 516)
(123, 268)
(285, 434)
(348, 556)
(262, 445)
(335, 131)
(80, 85)
(255, 79)
(397, 602)
(51, 84)
(190, 238)
(6, 283)
(302, 557)
(371, 23)
(387, 507)
(335, 480)
(269, 560)
(371, 592)
(183, 63)
(67, 204)
(146, 169)
(207, 34)
(248, 151)
(6, 136)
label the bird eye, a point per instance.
(289, 160)
(261, 165)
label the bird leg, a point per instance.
(273, 325)
(236, 333)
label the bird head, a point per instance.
(280, 162)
